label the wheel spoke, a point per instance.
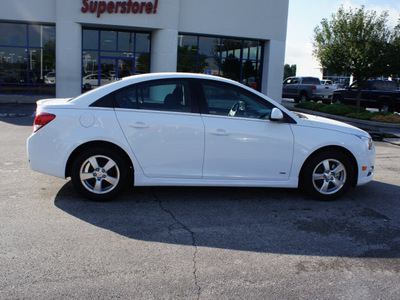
(338, 169)
(86, 176)
(110, 164)
(338, 184)
(111, 180)
(324, 187)
(317, 176)
(326, 165)
(97, 187)
(93, 162)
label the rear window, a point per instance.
(310, 80)
(385, 86)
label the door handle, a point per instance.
(139, 125)
(220, 132)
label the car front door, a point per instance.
(241, 143)
(164, 134)
(290, 87)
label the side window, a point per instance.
(354, 85)
(168, 96)
(233, 101)
(126, 98)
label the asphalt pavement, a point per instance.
(194, 242)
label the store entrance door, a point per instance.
(117, 67)
(110, 69)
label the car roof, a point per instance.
(88, 97)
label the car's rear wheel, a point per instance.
(100, 174)
(385, 107)
(327, 175)
(303, 97)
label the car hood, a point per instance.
(329, 124)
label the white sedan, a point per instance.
(179, 129)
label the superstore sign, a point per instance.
(119, 7)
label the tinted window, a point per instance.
(385, 85)
(166, 96)
(126, 98)
(291, 81)
(233, 101)
(310, 80)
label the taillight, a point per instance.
(41, 120)
(313, 87)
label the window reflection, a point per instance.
(237, 59)
(27, 56)
(113, 55)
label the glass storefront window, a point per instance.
(126, 41)
(110, 55)
(237, 59)
(108, 40)
(209, 46)
(13, 34)
(42, 36)
(27, 55)
(142, 42)
(90, 39)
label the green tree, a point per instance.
(289, 70)
(355, 42)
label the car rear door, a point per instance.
(164, 134)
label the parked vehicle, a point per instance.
(92, 80)
(305, 88)
(50, 78)
(167, 129)
(326, 82)
(382, 94)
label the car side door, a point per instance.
(164, 132)
(290, 87)
(241, 143)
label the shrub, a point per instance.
(389, 118)
(349, 111)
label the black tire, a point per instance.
(336, 99)
(385, 107)
(100, 174)
(327, 175)
(303, 97)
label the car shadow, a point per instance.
(21, 114)
(19, 121)
(280, 221)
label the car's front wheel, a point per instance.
(327, 175)
(100, 174)
(336, 99)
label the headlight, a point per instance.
(367, 140)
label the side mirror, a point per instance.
(276, 114)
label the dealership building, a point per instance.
(61, 48)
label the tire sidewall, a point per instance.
(123, 167)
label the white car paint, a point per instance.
(193, 149)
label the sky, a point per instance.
(305, 15)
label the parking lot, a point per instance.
(194, 243)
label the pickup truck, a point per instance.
(382, 94)
(305, 88)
